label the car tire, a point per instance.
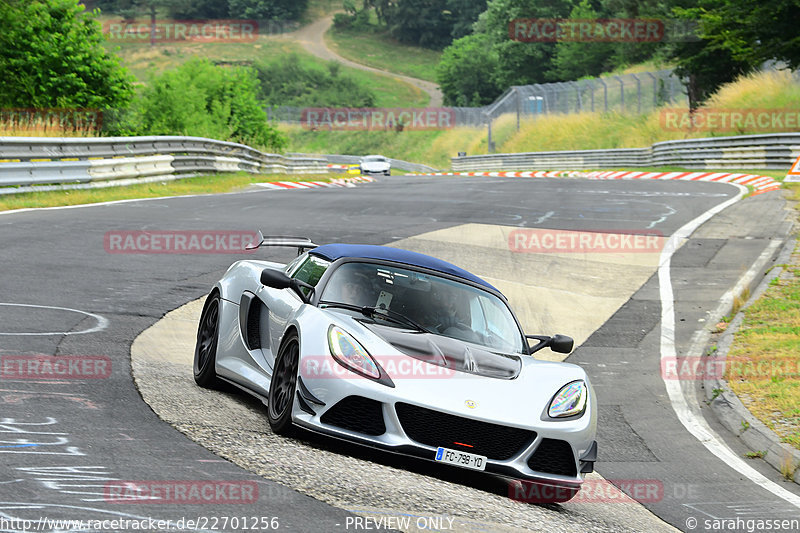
(205, 350)
(282, 387)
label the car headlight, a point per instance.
(570, 400)
(350, 354)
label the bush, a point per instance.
(203, 100)
(358, 21)
(342, 21)
(267, 9)
(289, 82)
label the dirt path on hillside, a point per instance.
(312, 39)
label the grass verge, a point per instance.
(377, 50)
(145, 61)
(767, 346)
(216, 184)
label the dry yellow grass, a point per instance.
(586, 131)
(12, 124)
(768, 90)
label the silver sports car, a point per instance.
(376, 164)
(400, 351)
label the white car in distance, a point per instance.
(376, 164)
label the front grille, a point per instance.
(358, 414)
(553, 457)
(433, 428)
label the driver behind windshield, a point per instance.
(449, 309)
(352, 288)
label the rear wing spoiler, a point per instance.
(301, 243)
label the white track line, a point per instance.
(688, 412)
(102, 322)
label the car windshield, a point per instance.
(374, 159)
(439, 305)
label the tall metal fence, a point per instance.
(627, 93)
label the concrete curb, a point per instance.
(727, 406)
(334, 182)
(761, 184)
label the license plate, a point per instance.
(462, 459)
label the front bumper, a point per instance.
(554, 454)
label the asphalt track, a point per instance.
(63, 442)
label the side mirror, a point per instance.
(561, 343)
(557, 343)
(279, 280)
(275, 279)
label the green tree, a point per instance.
(197, 9)
(267, 9)
(425, 23)
(201, 99)
(707, 63)
(51, 55)
(464, 13)
(573, 60)
(465, 72)
(626, 53)
(754, 32)
(520, 63)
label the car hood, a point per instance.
(519, 402)
(448, 352)
(375, 165)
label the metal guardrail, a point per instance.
(354, 159)
(770, 151)
(59, 160)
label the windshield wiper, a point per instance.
(386, 314)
